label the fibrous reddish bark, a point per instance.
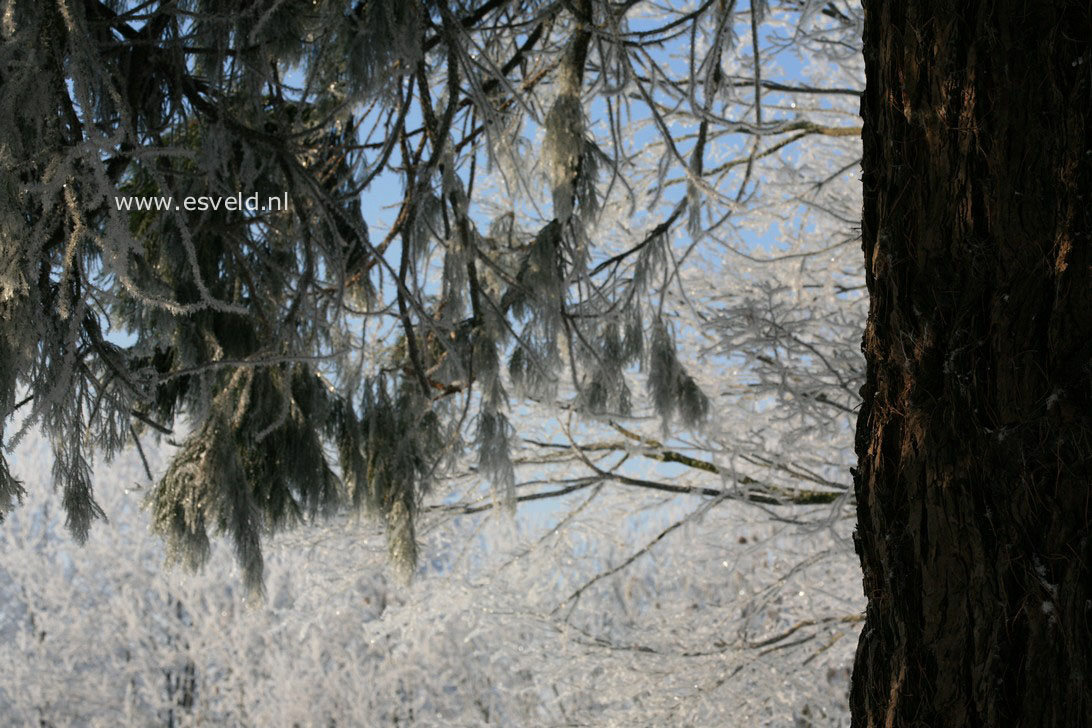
(974, 481)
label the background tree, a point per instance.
(972, 489)
(275, 332)
(670, 573)
(700, 629)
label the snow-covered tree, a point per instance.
(731, 620)
(276, 335)
(593, 263)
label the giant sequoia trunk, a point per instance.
(974, 485)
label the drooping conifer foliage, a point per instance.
(300, 361)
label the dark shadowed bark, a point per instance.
(974, 484)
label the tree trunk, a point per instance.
(974, 479)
